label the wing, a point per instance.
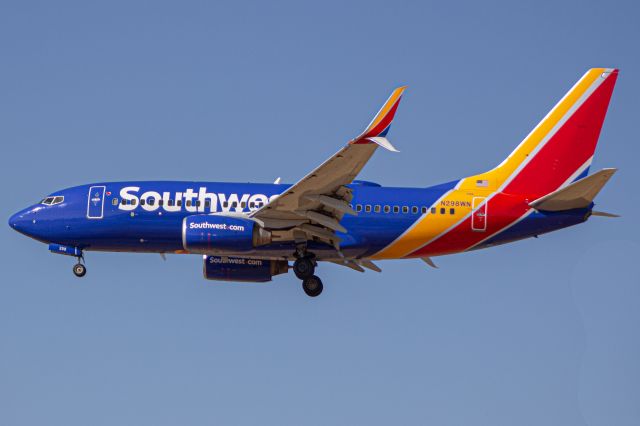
(313, 207)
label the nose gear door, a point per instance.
(95, 202)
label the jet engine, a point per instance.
(203, 233)
(225, 268)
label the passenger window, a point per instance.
(452, 211)
(414, 210)
(396, 209)
(115, 201)
(377, 208)
(433, 210)
(188, 203)
(358, 207)
(170, 202)
(424, 210)
(252, 205)
(197, 203)
(151, 202)
(243, 204)
(387, 209)
(124, 202)
(160, 202)
(234, 205)
(207, 204)
(225, 204)
(405, 209)
(367, 208)
(179, 203)
(442, 210)
(134, 202)
(142, 201)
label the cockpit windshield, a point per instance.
(52, 201)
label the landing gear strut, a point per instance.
(79, 270)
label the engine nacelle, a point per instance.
(225, 268)
(202, 233)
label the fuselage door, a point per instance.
(479, 215)
(95, 202)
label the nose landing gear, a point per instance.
(304, 267)
(79, 270)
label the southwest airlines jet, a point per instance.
(250, 232)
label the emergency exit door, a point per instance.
(479, 214)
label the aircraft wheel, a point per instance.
(303, 267)
(312, 286)
(79, 270)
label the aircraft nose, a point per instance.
(20, 221)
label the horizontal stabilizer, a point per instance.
(578, 195)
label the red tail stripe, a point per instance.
(571, 146)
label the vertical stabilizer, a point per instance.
(560, 148)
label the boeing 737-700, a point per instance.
(252, 232)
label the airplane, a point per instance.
(251, 232)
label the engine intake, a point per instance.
(224, 268)
(210, 233)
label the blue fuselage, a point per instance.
(148, 216)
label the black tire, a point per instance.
(304, 268)
(79, 270)
(312, 286)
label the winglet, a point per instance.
(384, 142)
(377, 130)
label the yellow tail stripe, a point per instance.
(431, 226)
(496, 177)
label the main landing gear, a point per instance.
(79, 270)
(312, 286)
(304, 267)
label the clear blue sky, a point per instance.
(541, 332)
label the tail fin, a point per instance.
(578, 195)
(560, 148)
